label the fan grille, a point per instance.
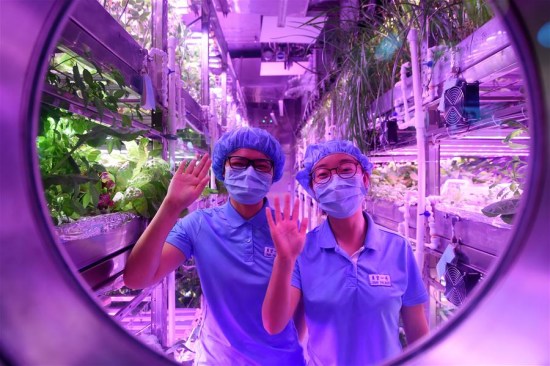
(455, 287)
(453, 116)
(454, 98)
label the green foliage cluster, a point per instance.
(188, 286)
(142, 180)
(316, 127)
(403, 174)
(70, 169)
(89, 82)
(365, 50)
(135, 17)
(79, 181)
(506, 176)
(391, 181)
(189, 135)
(505, 208)
(503, 179)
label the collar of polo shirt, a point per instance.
(372, 239)
(235, 219)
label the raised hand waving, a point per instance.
(287, 233)
(188, 182)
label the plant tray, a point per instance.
(98, 246)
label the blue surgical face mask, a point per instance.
(341, 198)
(247, 186)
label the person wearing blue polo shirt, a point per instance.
(232, 247)
(355, 278)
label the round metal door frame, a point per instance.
(48, 316)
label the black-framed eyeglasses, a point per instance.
(242, 163)
(345, 170)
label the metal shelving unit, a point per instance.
(488, 58)
(97, 247)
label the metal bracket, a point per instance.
(454, 219)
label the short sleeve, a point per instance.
(184, 233)
(296, 280)
(415, 293)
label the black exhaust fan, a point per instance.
(461, 104)
(389, 132)
(460, 279)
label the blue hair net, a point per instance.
(316, 152)
(248, 138)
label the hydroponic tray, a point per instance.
(482, 238)
(99, 245)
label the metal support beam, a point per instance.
(224, 98)
(433, 183)
(171, 310)
(205, 49)
(159, 314)
(159, 40)
(159, 32)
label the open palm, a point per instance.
(287, 233)
(188, 182)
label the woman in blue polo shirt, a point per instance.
(232, 247)
(355, 278)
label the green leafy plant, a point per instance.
(505, 208)
(188, 286)
(81, 181)
(316, 126)
(515, 172)
(519, 129)
(189, 135)
(134, 16)
(483, 181)
(391, 181)
(142, 181)
(365, 50)
(70, 169)
(105, 90)
(73, 170)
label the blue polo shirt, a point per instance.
(353, 309)
(234, 259)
